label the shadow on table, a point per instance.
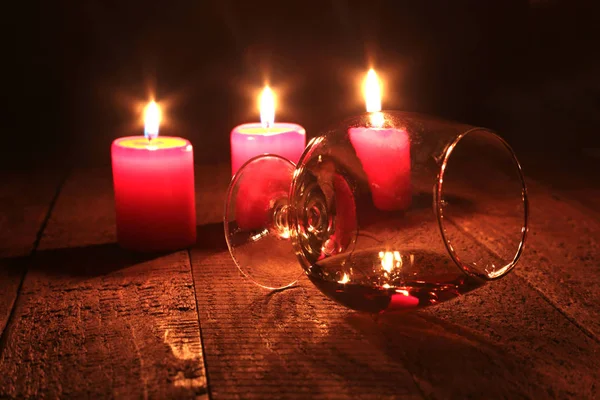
(101, 259)
(385, 356)
(210, 237)
(448, 361)
(299, 336)
(424, 200)
(92, 260)
(13, 266)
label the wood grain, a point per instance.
(95, 321)
(573, 180)
(564, 241)
(211, 188)
(290, 344)
(504, 340)
(560, 260)
(562, 257)
(25, 198)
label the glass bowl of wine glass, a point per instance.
(386, 211)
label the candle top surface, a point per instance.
(142, 143)
(275, 129)
(378, 129)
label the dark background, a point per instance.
(78, 71)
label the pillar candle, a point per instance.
(385, 157)
(153, 181)
(265, 177)
(384, 153)
(267, 137)
(253, 139)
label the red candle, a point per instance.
(384, 154)
(251, 140)
(154, 189)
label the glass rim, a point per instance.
(438, 209)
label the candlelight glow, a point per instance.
(372, 92)
(345, 279)
(390, 260)
(267, 107)
(285, 233)
(151, 120)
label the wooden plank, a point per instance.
(25, 198)
(562, 257)
(12, 271)
(560, 260)
(291, 344)
(535, 349)
(569, 179)
(95, 321)
(274, 346)
(502, 341)
(565, 235)
(211, 187)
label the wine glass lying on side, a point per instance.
(387, 211)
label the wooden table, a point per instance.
(81, 318)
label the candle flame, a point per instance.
(372, 92)
(390, 260)
(267, 107)
(151, 120)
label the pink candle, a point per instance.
(251, 140)
(384, 154)
(264, 180)
(154, 190)
(385, 157)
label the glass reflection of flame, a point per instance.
(345, 279)
(390, 260)
(285, 233)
